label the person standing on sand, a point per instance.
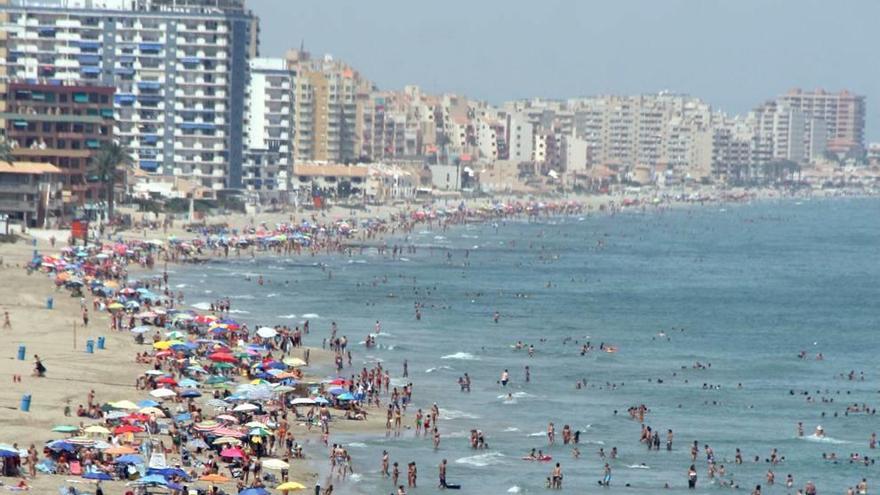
(6, 322)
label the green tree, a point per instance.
(108, 166)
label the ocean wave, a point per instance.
(439, 237)
(814, 438)
(355, 477)
(456, 414)
(204, 306)
(431, 370)
(511, 429)
(272, 295)
(639, 466)
(403, 259)
(516, 395)
(358, 445)
(464, 356)
(514, 489)
(239, 311)
(180, 286)
(482, 460)
(538, 434)
(287, 317)
(242, 296)
(311, 315)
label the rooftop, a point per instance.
(32, 168)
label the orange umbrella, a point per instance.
(120, 450)
(214, 478)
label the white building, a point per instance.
(268, 126)
(180, 68)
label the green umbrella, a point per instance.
(213, 380)
(65, 429)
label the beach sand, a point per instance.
(72, 372)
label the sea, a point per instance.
(741, 289)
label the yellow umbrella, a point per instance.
(225, 440)
(115, 305)
(290, 485)
(97, 429)
(275, 464)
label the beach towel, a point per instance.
(75, 468)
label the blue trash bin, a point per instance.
(90, 346)
(101, 343)
(21, 352)
(26, 402)
(50, 303)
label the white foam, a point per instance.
(511, 428)
(358, 445)
(464, 356)
(204, 306)
(639, 466)
(538, 434)
(431, 370)
(272, 295)
(240, 311)
(180, 286)
(482, 460)
(456, 414)
(355, 477)
(516, 395)
(403, 259)
(514, 489)
(439, 238)
(310, 315)
(287, 317)
(242, 296)
(814, 438)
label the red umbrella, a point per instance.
(168, 380)
(224, 357)
(164, 353)
(339, 381)
(127, 429)
(233, 452)
(136, 417)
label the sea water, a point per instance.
(744, 288)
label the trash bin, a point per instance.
(21, 352)
(50, 303)
(26, 402)
(90, 346)
(101, 343)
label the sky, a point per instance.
(734, 54)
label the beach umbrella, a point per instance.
(245, 407)
(97, 429)
(254, 491)
(59, 445)
(214, 478)
(228, 432)
(175, 335)
(152, 479)
(290, 486)
(196, 369)
(226, 440)
(256, 424)
(97, 476)
(129, 459)
(302, 401)
(267, 332)
(167, 380)
(232, 452)
(260, 432)
(115, 306)
(276, 464)
(225, 366)
(155, 411)
(227, 417)
(197, 443)
(154, 372)
(217, 403)
(188, 383)
(190, 392)
(345, 396)
(147, 403)
(215, 379)
(162, 393)
(321, 400)
(206, 426)
(65, 429)
(222, 357)
(294, 362)
(140, 329)
(123, 429)
(283, 389)
(123, 404)
(9, 454)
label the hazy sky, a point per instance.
(734, 54)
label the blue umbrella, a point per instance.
(153, 479)
(7, 454)
(147, 403)
(254, 491)
(61, 445)
(190, 392)
(97, 476)
(167, 472)
(130, 459)
(345, 396)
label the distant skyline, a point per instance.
(734, 54)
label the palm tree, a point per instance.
(6, 151)
(107, 167)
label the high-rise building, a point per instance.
(329, 99)
(780, 133)
(63, 125)
(269, 126)
(180, 69)
(843, 114)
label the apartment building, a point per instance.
(60, 124)
(180, 69)
(843, 115)
(329, 99)
(268, 164)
